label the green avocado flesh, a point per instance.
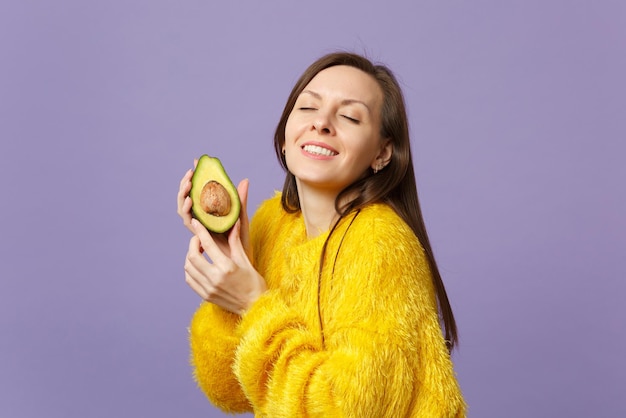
(215, 201)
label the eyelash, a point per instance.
(351, 119)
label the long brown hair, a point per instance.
(394, 185)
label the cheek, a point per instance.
(366, 147)
(291, 131)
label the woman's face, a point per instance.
(332, 136)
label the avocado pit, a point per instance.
(214, 199)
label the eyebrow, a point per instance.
(343, 102)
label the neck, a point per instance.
(318, 209)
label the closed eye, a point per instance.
(351, 119)
(307, 108)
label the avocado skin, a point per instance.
(211, 169)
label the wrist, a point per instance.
(255, 293)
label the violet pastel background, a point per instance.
(518, 120)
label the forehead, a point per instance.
(346, 83)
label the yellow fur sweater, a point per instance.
(382, 353)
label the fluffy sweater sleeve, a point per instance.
(214, 339)
(214, 335)
(383, 354)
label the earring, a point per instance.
(378, 167)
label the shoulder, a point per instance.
(382, 265)
(381, 228)
(381, 240)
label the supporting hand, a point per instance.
(227, 277)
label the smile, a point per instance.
(317, 150)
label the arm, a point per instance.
(213, 336)
(384, 354)
(213, 341)
(285, 371)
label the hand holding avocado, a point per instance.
(210, 205)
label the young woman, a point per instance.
(332, 305)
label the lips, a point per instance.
(319, 150)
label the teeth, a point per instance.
(314, 149)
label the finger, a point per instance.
(191, 277)
(222, 242)
(211, 248)
(238, 251)
(198, 269)
(187, 177)
(198, 276)
(187, 203)
(183, 201)
(242, 189)
(203, 285)
(196, 286)
(234, 241)
(195, 247)
(185, 184)
(184, 211)
(207, 280)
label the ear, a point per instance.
(384, 155)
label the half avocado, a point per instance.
(215, 201)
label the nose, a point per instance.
(323, 124)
